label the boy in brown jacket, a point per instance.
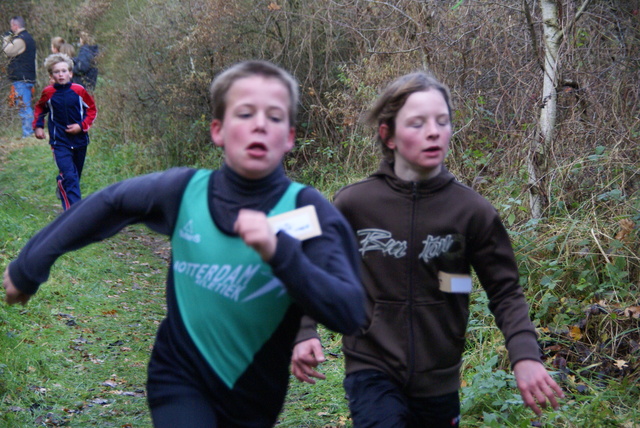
(420, 232)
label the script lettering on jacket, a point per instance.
(434, 246)
(226, 280)
(381, 240)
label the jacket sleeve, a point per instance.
(89, 104)
(308, 330)
(322, 273)
(13, 47)
(83, 62)
(42, 107)
(100, 216)
(494, 262)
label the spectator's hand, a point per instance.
(256, 232)
(74, 128)
(536, 386)
(13, 294)
(39, 133)
(306, 357)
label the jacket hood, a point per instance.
(93, 48)
(422, 187)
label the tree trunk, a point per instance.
(537, 159)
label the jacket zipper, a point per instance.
(410, 258)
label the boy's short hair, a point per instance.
(57, 41)
(386, 107)
(221, 84)
(54, 59)
(67, 49)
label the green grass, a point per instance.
(77, 353)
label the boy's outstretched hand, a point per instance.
(536, 385)
(256, 232)
(307, 355)
(13, 294)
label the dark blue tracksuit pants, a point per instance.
(70, 161)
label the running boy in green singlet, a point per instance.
(239, 282)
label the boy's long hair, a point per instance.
(221, 84)
(386, 107)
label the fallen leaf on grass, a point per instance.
(632, 312)
(110, 383)
(621, 364)
(626, 227)
(575, 333)
(38, 389)
(581, 388)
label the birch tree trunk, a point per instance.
(537, 165)
(538, 158)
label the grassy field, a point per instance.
(76, 355)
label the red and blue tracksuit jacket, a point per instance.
(65, 104)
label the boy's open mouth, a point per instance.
(257, 148)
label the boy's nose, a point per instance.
(261, 120)
(431, 129)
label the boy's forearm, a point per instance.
(323, 281)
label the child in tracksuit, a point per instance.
(237, 288)
(71, 112)
(421, 232)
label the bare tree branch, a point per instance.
(578, 14)
(532, 31)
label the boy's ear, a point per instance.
(291, 139)
(383, 131)
(216, 136)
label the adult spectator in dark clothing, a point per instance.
(85, 71)
(20, 47)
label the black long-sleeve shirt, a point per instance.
(320, 275)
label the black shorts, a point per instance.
(375, 401)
